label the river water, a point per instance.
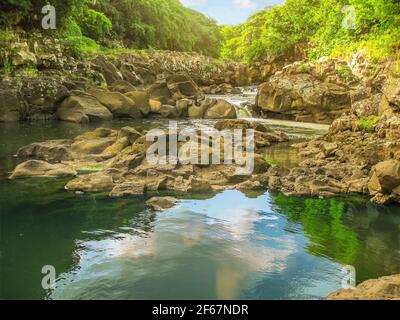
(225, 246)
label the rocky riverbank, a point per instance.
(360, 154)
(113, 161)
(41, 79)
(385, 288)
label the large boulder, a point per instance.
(42, 169)
(121, 86)
(213, 109)
(308, 92)
(141, 100)
(95, 182)
(120, 105)
(182, 86)
(385, 178)
(173, 88)
(108, 69)
(219, 109)
(50, 151)
(81, 107)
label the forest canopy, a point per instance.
(318, 26)
(139, 24)
(315, 26)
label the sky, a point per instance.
(229, 11)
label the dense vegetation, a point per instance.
(313, 26)
(139, 24)
(317, 26)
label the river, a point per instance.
(211, 246)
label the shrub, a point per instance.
(94, 24)
(79, 46)
(368, 124)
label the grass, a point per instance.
(368, 124)
(270, 161)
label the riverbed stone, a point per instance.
(94, 182)
(119, 105)
(81, 107)
(42, 169)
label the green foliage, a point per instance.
(368, 124)
(317, 24)
(161, 24)
(139, 24)
(345, 73)
(29, 72)
(71, 28)
(78, 46)
(94, 24)
(270, 161)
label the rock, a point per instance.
(108, 69)
(182, 86)
(192, 184)
(82, 108)
(302, 94)
(121, 86)
(42, 169)
(196, 112)
(116, 148)
(159, 91)
(219, 109)
(162, 203)
(168, 112)
(21, 55)
(92, 146)
(94, 182)
(120, 105)
(128, 188)
(50, 151)
(131, 133)
(182, 106)
(249, 186)
(386, 288)
(385, 177)
(141, 100)
(10, 106)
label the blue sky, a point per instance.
(229, 11)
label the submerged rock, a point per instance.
(162, 203)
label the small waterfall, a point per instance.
(240, 101)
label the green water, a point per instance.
(227, 245)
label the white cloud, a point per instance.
(244, 4)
